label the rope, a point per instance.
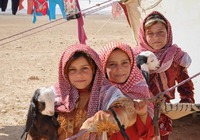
(95, 5)
(86, 13)
(29, 30)
(101, 27)
(30, 34)
(121, 127)
(159, 95)
(98, 9)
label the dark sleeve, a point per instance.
(185, 90)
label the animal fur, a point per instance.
(147, 61)
(41, 122)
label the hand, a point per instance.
(140, 107)
(101, 121)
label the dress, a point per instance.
(74, 106)
(136, 88)
(173, 68)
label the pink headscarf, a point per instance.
(135, 86)
(166, 55)
(68, 95)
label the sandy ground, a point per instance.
(32, 62)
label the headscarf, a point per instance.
(135, 86)
(67, 95)
(168, 53)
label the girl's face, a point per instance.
(80, 73)
(156, 35)
(118, 66)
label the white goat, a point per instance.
(146, 62)
(41, 122)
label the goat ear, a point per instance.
(36, 96)
(30, 117)
(146, 76)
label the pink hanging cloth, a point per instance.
(81, 32)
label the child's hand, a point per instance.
(140, 107)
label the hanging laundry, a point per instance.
(15, 4)
(81, 32)
(30, 5)
(3, 5)
(116, 10)
(40, 8)
(71, 9)
(21, 5)
(52, 8)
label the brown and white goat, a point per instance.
(41, 124)
(147, 61)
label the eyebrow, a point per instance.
(120, 60)
(80, 65)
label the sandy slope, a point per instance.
(31, 62)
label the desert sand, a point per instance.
(32, 61)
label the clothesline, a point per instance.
(84, 12)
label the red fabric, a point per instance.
(172, 70)
(165, 124)
(21, 5)
(137, 131)
(81, 32)
(41, 6)
(135, 87)
(125, 12)
(132, 83)
(30, 7)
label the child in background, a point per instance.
(120, 68)
(155, 35)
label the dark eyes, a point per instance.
(115, 64)
(71, 69)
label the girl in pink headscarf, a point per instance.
(120, 68)
(85, 101)
(155, 35)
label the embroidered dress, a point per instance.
(174, 63)
(136, 88)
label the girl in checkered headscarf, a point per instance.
(120, 68)
(156, 35)
(84, 97)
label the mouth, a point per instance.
(80, 81)
(157, 67)
(121, 75)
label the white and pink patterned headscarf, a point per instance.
(169, 53)
(135, 86)
(66, 94)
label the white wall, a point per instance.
(184, 16)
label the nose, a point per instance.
(79, 73)
(119, 67)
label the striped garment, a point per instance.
(173, 69)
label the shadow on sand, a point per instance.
(11, 133)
